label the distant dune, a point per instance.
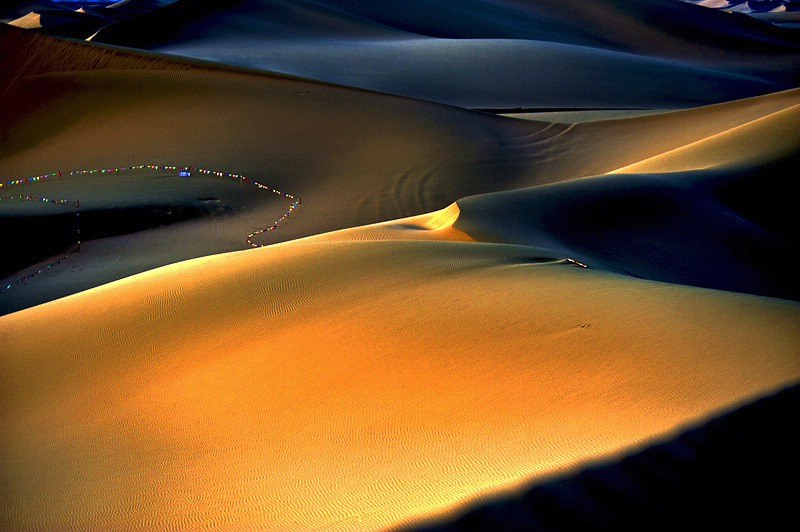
(507, 246)
(486, 55)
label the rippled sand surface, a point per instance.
(465, 304)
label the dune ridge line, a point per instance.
(76, 203)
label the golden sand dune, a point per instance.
(356, 385)
(31, 20)
(419, 333)
(760, 141)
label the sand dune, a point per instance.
(123, 222)
(75, 19)
(464, 304)
(477, 66)
(596, 147)
(279, 388)
(485, 73)
(760, 141)
(265, 127)
(707, 477)
(699, 228)
(31, 20)
(782, 13)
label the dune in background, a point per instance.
(465, 305)
(74, 19)
(784, 13)
(482, 54)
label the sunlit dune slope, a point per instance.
(696, 477)
(592, 148)
(758, 142)
(31, 20)
(356, 385)
(483, 54)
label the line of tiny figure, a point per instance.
(183, 171)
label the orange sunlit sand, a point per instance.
(465, 304)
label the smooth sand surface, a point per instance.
(356, 385)
(463, 303)
(126, 221)
(487, 55)
(705, 479)
(31, 20)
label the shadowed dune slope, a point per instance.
(649, 27)
(646, 27)
(708, 228)
(487, 55)
(126, 222)
(356, 385)
(718, 213)
(487, 74)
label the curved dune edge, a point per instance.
(613, 145)
(29, 21)
(356, 385)
(761, 140)
(437, 226)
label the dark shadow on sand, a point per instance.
(31, 239)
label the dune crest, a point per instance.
(766, 138)
(29, 21)
(488, 54)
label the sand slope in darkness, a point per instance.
(487, 55)
(715, 213)
(127, 221)
(356, 385)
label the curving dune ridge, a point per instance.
(465, 307)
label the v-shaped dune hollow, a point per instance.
(466, 303)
